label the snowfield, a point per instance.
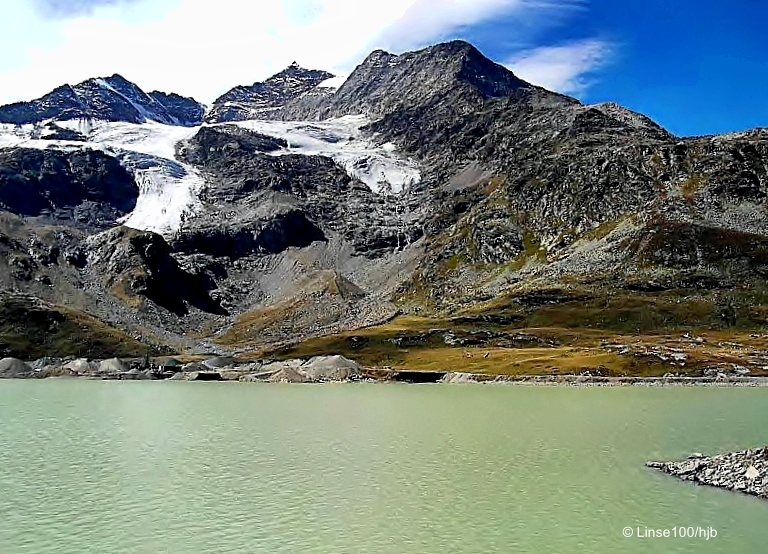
(341, 139)
(169, 190)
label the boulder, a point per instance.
(12, 368)
(277, 366)
(46, 361)
(52, 371)
(113, 366)
(288, 375)
(147, 375)
(81, 367)
(218, 362)
(331, 368)
(239, 371)
(131, 375)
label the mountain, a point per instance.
(432, 184)
(251, 102)
(110, 99)
(453, 75)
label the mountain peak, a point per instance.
(118, 78)
(295, 70)
(113, 98)
(385, 83)
(251, 102)
(454, 46)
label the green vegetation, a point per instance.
(31, 331)
(691, 185)
(603, 230)
(566, 329)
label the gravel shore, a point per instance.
(745, 471)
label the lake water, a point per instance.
(150, 467)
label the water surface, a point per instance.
(147, 467)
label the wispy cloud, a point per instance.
(568, 68)
(74, 8)
(427, 20)
(201, 48)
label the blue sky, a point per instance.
(695, 67)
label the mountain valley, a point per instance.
(431, 210)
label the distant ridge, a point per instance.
(110, 99)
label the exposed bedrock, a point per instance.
(272, 236)
(139, 264)
(84, 186)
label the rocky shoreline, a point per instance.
(600, 381)
(324, 369)
(317, 369)
(745, 471)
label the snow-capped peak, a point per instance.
(108, 99)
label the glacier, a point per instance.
(342, 139)
(169, 190)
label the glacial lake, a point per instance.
(166, 467)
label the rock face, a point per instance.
(276, 202)
(181, 110)
(82, 186)
(256, 101)
(139, 265)
(110, 99)
(745, 471)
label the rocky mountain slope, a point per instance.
(258, 100)
(110, 99)
(433, 183)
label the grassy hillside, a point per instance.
(30, 329)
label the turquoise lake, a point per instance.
(174, 467)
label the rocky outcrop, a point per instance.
(213, 147)
(136, 264)
(266, 236)
(253, 187)
(745, 471)
(84, 187)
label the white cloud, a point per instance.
(566, 68)
(200, 48)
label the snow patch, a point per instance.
(341, 139)
(169, 190)
(333, 82)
